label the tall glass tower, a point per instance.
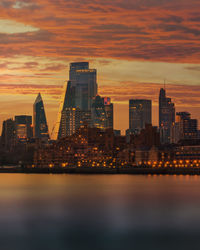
(40, 127)
(80, 92)
(83, 80)
(166, 117)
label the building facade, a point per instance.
(140, 114)
(23, 125)
(188, 128)
(166, 117)
(109, 111)
(70, 121)
(8, 136)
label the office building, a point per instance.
(40, 127)
(8, 136)
(70, 121)
(23, 125)
(80, 93)
(84, 81)
(108, 106)
(99, 117)
(166, 117)
(188, 128)
(102, 113)
(139, 114)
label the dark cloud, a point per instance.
(171, 19)
(140, 29)
(6, 4)
(177, 28)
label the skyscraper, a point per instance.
(40, 127)
(99, 117)
(80, 92)
(102, 113)
(139, 114)
(109, 111)
(84, 81)
(166, 117)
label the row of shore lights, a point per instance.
(175, 163)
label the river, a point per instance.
(94, 212)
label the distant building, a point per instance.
(188, 128)
(70, 121)
(117, 132)
(23, 125)
(109, 111)
(166, 117)
(148, 137)
(102, 113)
(8, 136)
(99, 117)
(40, 127)
(139, 114)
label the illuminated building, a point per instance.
(70, 121)
(90, 147)
(166, 117)
(139, 114)
(40, 128)
(23, 125)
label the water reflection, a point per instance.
(99, 212)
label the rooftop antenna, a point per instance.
(164, 84)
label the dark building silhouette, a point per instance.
(40, 127)
(148, 137)
(8, 136)
(188, 128)
(166, 117)
(139, 114)
(23, 125)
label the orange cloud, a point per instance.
(143, 30)
(66, 30)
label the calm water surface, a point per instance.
(99, 212)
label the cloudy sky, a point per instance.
(134, 44)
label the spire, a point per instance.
(38, 99)
(164, 84)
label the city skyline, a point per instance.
(81, 73)
(134, 51)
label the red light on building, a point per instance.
(107, 101)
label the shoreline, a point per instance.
(78, 170)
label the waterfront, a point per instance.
(99, 212)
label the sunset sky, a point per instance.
(133, 44)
